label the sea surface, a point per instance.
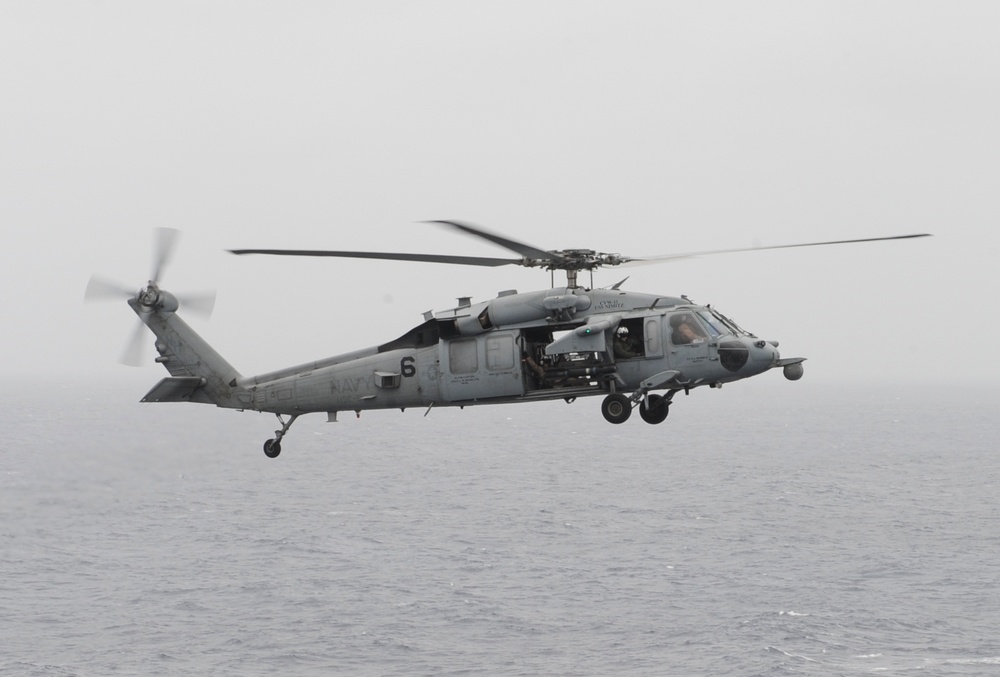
(770, 528)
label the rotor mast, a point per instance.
(572, 261)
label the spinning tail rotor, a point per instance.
(149, 297)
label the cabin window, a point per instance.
(500, 353)
(463, 357)
(653, 346)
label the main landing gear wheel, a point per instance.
(616, 408)
(272, 448)
(657, 410)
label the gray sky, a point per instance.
(631, 127)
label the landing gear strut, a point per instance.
(273, 446)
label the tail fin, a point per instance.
(198, 373)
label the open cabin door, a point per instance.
(482, 367)
(638, 338)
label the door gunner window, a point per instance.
(628, 339)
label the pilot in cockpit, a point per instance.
(687, 331)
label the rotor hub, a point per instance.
(149, 296)
(581, 259)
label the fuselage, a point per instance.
(553, 344)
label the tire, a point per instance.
(657, 411)
(616, 408)
(272, 448)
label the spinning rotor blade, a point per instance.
(668, 257)
(531, 255)
(569, 260)
(166, 241)
(392, 256)
(136, 347)
(197, 303)
(525, 250)
(101, 289)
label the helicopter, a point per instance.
(636, 350)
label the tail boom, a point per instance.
(198, 373)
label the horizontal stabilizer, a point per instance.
(174, 389)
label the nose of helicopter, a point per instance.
(747, 355)
(763, 354)
(791, 368)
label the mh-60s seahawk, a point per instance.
(559, 343)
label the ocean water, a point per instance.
(770, 528)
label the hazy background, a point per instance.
(635, 127)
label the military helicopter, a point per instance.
(637, 350)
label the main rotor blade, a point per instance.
(391, 256)
(521, 248)
(100, 289)
(166, 240)
(668, 257)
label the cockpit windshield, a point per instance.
(711, 315)
(715, 327)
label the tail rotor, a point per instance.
(149, 297)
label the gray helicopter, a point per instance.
(636, 350)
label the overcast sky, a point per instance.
(634, 127)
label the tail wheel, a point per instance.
(272, 448)
(657, 410)
(616, 408)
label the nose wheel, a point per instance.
(273, 446)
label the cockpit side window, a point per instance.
(686, 329)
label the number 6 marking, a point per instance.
(406, 367)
